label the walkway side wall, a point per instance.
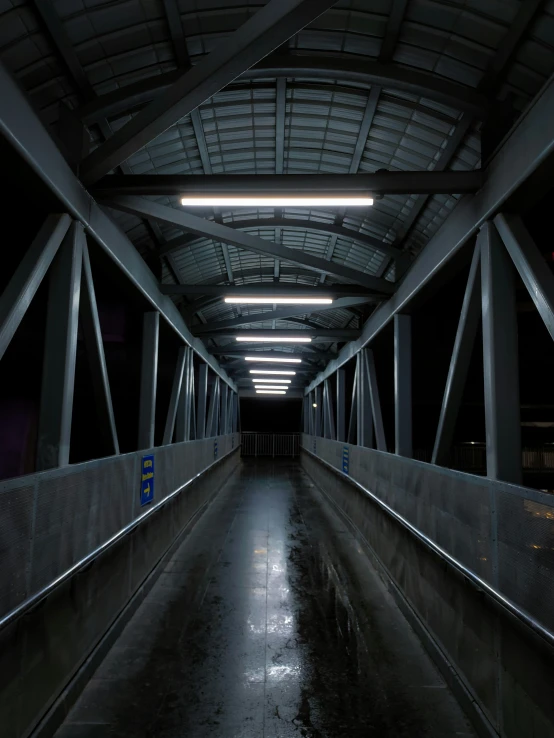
(504, 673)
(51, 521)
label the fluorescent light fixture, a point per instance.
(270, 386)
(273, 361)
(274, 339)
(270, 392)
(275, 201)
(279, 300)
(269, 379)
(272, 371)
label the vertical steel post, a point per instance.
(60, 352)
(318, 411)
(403, 385)
(325, 410)
(459, 363)
(328, 403)
(94, 347)
(364, 422)
(341, 406)
(148, 379)
(224, 408)
(500, 359)
(202, 395)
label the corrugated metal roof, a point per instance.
(117, 43)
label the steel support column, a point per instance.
(459, 363)
(211, 426)
(353, 421)
(318, 402)
(500, 359)
(403, 385)
(364, 423)
(148, 379)
(224, 408)
(202, 395)
(175, 395)
(60, 352)
(182, 432)
(341, 406)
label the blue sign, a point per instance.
(147, 480)
(345, 459)
(215, 449)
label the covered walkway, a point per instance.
(268, 620)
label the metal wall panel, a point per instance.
(503, 533)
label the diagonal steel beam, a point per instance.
(280, 107)
(281, 314)
(392, 31)
(217, 231)
(22, 287)
(534, 272)
(260, 35)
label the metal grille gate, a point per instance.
(270, 444)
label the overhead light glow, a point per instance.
(272, 371)
(270, 392)
(275, 201)
(279, 381)
(315, 404)
(276, 339)
(273, 361)
(270, 386)
(279, 300)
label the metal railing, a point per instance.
(270, 444)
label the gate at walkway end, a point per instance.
(270, 444)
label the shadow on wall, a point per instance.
(274, 415)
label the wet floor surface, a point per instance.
(269, 621)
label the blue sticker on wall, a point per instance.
(345, 459)
(147, 480)
(215, 449)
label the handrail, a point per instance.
(480, 584)
(30, 602)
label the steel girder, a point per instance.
(25, 132)
(381, 183)
(530, 145)
(195, 224)
(323, 334)
(281, 314)
(363, 72)
(270, 27)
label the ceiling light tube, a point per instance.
(272, 371)
(279, 300)
(273, 361)
(270, 387)
(275, 201)
(276, 339)
(270, 392)
(269, 379)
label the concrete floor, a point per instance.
(268, 621)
